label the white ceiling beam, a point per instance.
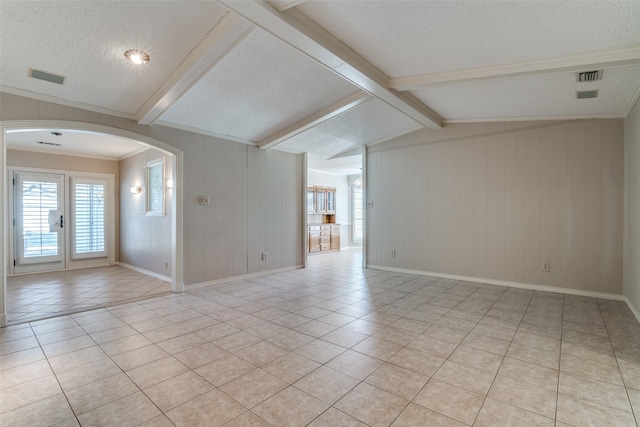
(328, 113)
(612, 58)
(283, 5)
(215, 46)
(296, 29)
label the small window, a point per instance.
(155, 187)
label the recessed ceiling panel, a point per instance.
(85, 42)
(534, 97)
(405, 38)
(261, 87)
(350, 165)
(76, 143)
(370, 122)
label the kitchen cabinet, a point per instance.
(324, 237)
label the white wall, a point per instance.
(495, 201)
(226, 238)
(343, 208)
(145, 241)
(632, 214)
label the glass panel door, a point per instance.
(39, 221)
(88, 233)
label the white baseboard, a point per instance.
(519, 285)
(633, 309)
(242, 277)
(3, 320)
(147, 272)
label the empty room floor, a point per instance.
(35, 296)
(331, 345)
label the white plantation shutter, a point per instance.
(358, 214)
(89, 218)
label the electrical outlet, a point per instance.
(166, 264)
(370, 204)
(393, 253)
(546, 267)
(264, 256)
(205, 200)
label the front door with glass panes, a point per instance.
(50, 232)
(39, 221)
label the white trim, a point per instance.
(635, 312)
(80, 156)
(316, 119)
(611, 58)
(534, 119)
(305, 211)
(3, 320)
(206, 132)
(632, 103)
(507, 283)
(143, 271)
(241, 277)
(65, 102)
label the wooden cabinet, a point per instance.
(311, 200)
(331, 201)
(335, 237)
(321, 200)
(314, 238)
(324, 237)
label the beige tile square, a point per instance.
(332, 418)
(159, 421)
(28, 392)
(395, 335)
(454, 402)
(291, 340)
(417, 361)
(138, 357)
(261, 353)
(201, 355)
(216, 332)
(123, 345)
(166, 333)
(181, 343)
(595, 391)
(320, 351)
(398, 381)
(24, 373)
(177, 390)
(431, 345)
(130, 410)
(417, 416)
(476, 358)
(43, 413)
(378, 348)
(529, 373)
(68, 346)
(578, 412)
(494, 413)
(19, 358)
(224, 369)
(315, 328)
(371, 405)
(344, 337)
(537, 341)
(237, 341)
(467, 377)
(548, 359)
(98, 393)
(209, 410)
(530, 397)
(634, 398)
(290, 407)
(248, 419)
(607, 372)
(154, 372)
(21, 344)
(290, 367)
(355, 364)
(61, 335)
(486, 343)
(327, 384)
(112, 334)
(253, 388)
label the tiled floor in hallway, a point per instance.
(40, 295)
(332, 345)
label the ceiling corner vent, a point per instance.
(47, 77)
(586, 94)
(589, 76)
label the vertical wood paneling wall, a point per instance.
(496, 201)
(145, 241)
(256, 195)
(632, 264)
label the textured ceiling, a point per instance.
(351, 165)
(405, 38)
(269, 88)
(86, 40)
(260, 88)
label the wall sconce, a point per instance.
(169, 183)
(136, 189)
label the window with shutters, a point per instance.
(89, 218)
(358, 211)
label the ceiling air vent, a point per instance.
(47, 77)
(589, 76)
(586, 94)
(48, 143)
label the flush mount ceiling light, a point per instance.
(137, 56)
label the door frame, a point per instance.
(177, 156)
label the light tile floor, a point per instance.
(332, 345)
(37, 296)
